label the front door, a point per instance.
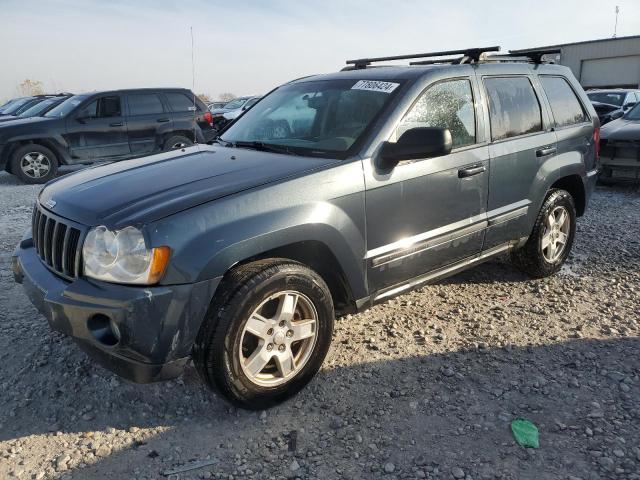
(98, 131)
(429, 213)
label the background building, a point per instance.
(609, 62)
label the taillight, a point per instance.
(596, 141)
(208, 118)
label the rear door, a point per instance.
(148, 122)
(97, 130)
(522, 140)
(571, 122)
(183, 111)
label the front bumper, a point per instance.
(157, 325)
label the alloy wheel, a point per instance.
(556, 234)
(35, 165)
(278, 338)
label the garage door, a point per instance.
(611, 72)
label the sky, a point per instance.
(248, 47)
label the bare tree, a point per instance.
(226, 97)
(204, 97)
(31, 87)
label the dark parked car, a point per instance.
(102, 126)
(38, 109)
(240, 254)
(231, 111)
(620, 143)
(613, 103)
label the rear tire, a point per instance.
(550, 241)
(266, 334)
(34, 164)
(176, 142)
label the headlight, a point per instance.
(123, 257)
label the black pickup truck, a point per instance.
(103, 126)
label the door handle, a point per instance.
(116, 124)
(545, 151)
(162, 120)
(471, 171)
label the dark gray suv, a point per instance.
(332, 193)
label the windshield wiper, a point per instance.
(266, 147)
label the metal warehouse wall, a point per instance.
(605, 63)
(612, 62)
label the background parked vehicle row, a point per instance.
(112, 125)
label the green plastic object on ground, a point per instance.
(525, 433)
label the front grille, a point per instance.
(57, 242)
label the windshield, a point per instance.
(9, 104)
(633, 114)
(314, 118)
(38, 108)
(65, 107)
(612, 98)
(15, 106)
(237, 103)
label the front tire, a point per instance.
(550, 241)
(34, 164)
(267, 333)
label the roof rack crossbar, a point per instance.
(472, 53)
(534, 55)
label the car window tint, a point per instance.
(565, 106)
(179, 102)
(447, 105)
(109, 107)
(513, 107)
(103, 107)
(145, 104)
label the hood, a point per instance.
(142, 190)
(621, 129)
(219, 111)
(9, 118)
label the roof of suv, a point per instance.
(411, 72)
(138, 90)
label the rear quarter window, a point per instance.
(565, 106)
(180, 102)
(513, 107)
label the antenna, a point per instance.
(615, 28)
(193, 87)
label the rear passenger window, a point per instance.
(145, 104)
(179, 102)
(447, 105)
(513, 107)
(566, 108)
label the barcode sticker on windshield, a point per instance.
(375, 86)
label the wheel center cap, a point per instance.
(279, 337)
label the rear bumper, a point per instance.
(156, 325)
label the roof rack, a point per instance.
(534, 55)
(435, 61)
(469, 55)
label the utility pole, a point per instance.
(615, 28)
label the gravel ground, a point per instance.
(424, 386)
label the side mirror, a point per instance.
(629, 105)
(415, 143)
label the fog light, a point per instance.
(104, 330)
